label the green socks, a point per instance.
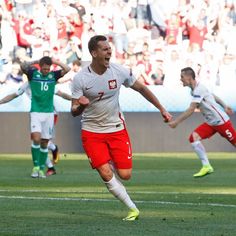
(35, 151)
(42, 158)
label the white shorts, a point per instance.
(42, 123)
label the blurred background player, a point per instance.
(216, 119)
(51, 146)
(42, 84)
(95, 95)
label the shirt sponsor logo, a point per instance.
(112, 84)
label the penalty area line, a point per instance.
(113, 200)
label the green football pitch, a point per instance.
(76, 202)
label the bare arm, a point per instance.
(8, 98)
(67, 77)
(78, 105)
(147, 93)
(63, 95)
(65, 68)
(25, 65)
(227, 109)
(184, 115)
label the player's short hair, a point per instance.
(76, 62)
(189, 71)
(93, 42)
(45, 60)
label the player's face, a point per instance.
(45, 69)
(103, 53)
(185, 79)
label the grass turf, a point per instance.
(75, 201)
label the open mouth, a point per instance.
(107, 59)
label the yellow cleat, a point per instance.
(35, 172)
(41, 174)
(204, 171)
(133, 214)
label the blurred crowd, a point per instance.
(156, 38)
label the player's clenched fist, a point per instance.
(83, 101)
(167, 116)
(78, 105)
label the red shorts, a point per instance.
(226, 130)
(103, 147)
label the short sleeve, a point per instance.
(76, 86)
(127, 74)
(198, 94)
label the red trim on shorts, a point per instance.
(55, 119)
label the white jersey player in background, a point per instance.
(216, 119)
(95, 95)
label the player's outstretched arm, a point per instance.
(227, 109)
(63, 95)
(147, 93)
(8, 98)
(78, 105)
(183, 116)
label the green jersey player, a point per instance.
(42, 85)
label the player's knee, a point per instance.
(124, 175)
(105, 172)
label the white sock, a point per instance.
(117, 189)
(49, 163)
(201, 152)
(51, 146)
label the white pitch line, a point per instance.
(104, 191)
(111, 200)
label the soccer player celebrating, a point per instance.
(216, 119)
(95, 95)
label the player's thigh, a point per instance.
(227, 131)
(205, 131)
(95, 148)
(35, 122)
(120, 149)
(47, 126)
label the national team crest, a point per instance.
(112, 84)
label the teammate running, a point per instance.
(216, 119)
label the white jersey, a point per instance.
(210, 109)
(103, 114)
(24, 88)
